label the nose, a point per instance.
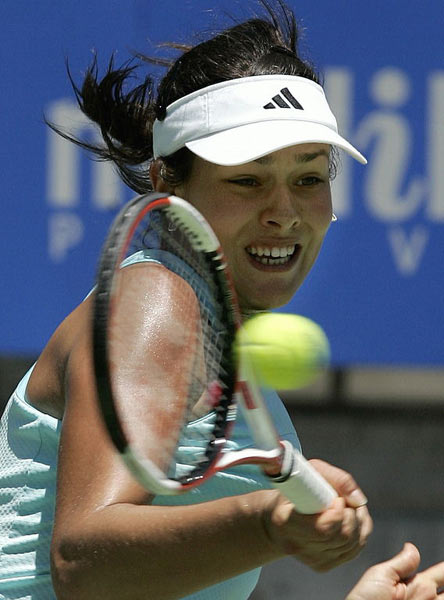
(282, 211)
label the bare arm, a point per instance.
(110, 542)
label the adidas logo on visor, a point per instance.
(278, 101)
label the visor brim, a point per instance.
(248, 142)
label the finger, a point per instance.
(344, 527)
(400, 591)
(344, 545)
(366, 523)
(342, 482)
(405, 563)
(422, 588)
(435, 574)
(329, 522)
(350, 534)
(346, 524)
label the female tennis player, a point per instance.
(239, 127)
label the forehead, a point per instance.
(302, 153)
(293, 155)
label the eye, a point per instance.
(310, 180)
(245, 181)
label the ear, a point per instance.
(159, 184)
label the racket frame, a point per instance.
(146, 471)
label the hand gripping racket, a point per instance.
(164, 324)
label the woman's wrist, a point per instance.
(259, 508)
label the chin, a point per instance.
(267, 297)
(266, 303)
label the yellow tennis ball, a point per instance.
(285, 351)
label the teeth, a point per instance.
(281, 261)
(271, 256)
(273, 261)
(274, 252)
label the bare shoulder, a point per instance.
(144, 287)
(45, 389)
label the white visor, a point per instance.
(240, 120)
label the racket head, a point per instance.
(154, 410)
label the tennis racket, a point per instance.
(169, 384)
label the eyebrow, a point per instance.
(300, 158)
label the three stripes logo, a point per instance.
(278, 101)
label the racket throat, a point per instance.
(283, 467)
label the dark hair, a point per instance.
(259, 46)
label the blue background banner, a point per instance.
(378, 287)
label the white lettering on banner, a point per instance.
(106, 192)
(389, 135)
(408, 250)
(392, 192)
(66, 230)
(63, 180)
(435, 147)
(339, 91)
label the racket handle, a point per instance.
(302, 484)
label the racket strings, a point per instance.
(208, 407)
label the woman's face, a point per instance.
(270, 215)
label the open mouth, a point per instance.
(274, 256)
